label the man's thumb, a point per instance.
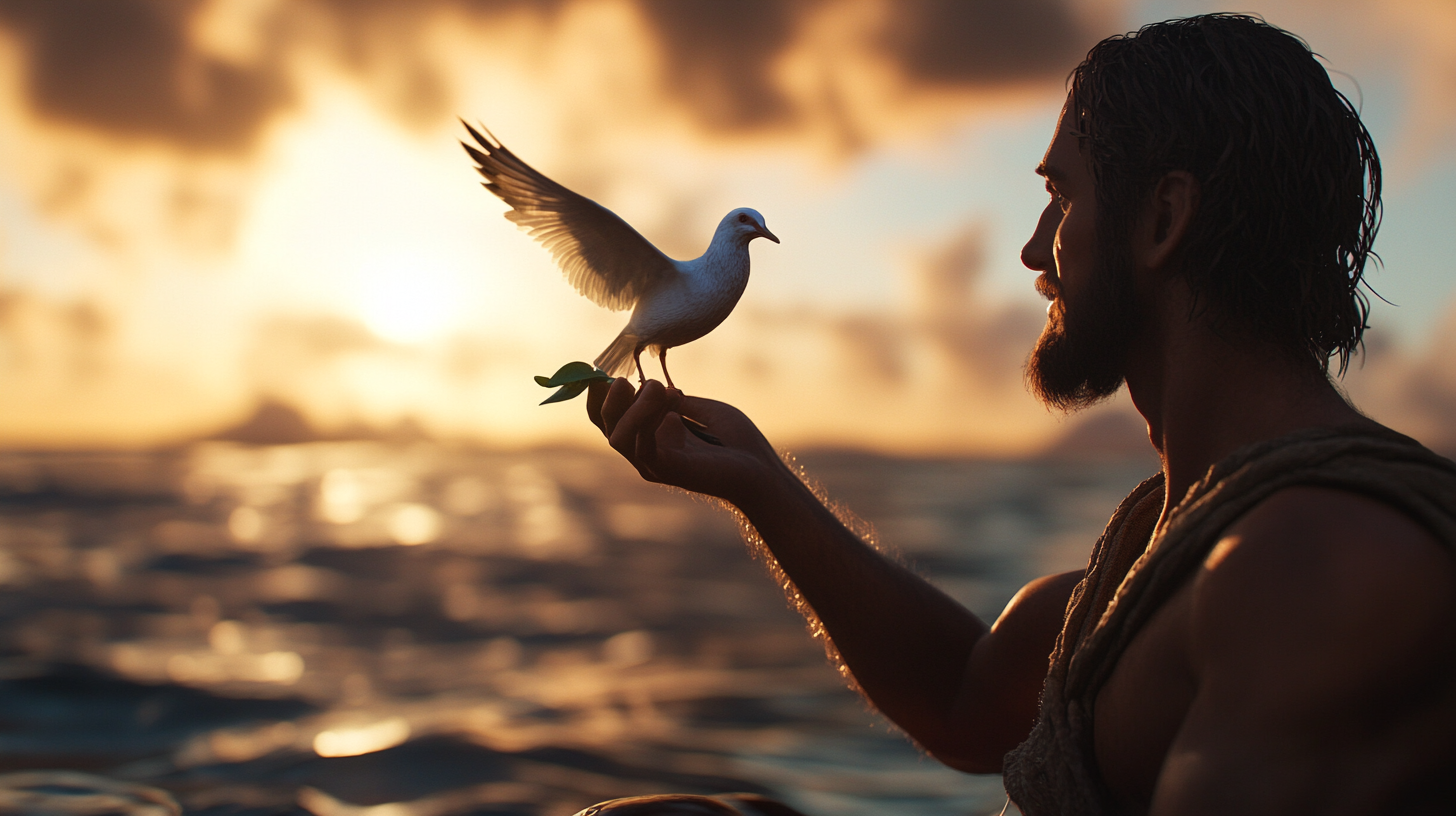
(671, 434)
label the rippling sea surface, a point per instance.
(366, 629)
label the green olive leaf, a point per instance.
(577, 372)
(568, 391)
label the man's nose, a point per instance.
(1037, 254)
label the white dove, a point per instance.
(672, 302)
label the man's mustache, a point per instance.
(1048, 286)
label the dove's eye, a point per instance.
(742, 218)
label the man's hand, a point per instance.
(646, 427)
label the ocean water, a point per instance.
(367, 629)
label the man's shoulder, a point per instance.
(1325, 586)
(1321, 643)
(1328, 525)
(1366, 506)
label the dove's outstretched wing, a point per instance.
(602, 256)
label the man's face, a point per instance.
(1080, 358)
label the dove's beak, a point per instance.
(762, 230)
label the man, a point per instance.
(1266, 626)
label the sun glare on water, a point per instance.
(343, 742)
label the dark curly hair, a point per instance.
(1289, 179)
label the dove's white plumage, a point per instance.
(672, 302)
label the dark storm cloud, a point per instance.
(129, 68)
(719, 56)
(980, 42)
(125, 67)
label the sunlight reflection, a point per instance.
(341, 497)
(245, 524)
(628, 649)
(412, 524)
(227, 637)
(282, 668)
(341, 742)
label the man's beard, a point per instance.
(1081, 357)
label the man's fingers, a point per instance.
(596, 396)
(639, 420)
(618, 399)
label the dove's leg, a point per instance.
(637, 358)
(662, 358)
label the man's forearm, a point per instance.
(906, 643)
(966, 693)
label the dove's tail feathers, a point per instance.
(619, 358)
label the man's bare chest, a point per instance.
(1144, 702)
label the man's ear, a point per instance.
(1170, 211)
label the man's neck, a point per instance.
(1205, 397)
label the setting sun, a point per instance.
(408, 297)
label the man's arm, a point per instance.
(966, 692)
(1323, 644)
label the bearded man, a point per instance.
(1266, 625)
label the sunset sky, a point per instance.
(208, 204)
